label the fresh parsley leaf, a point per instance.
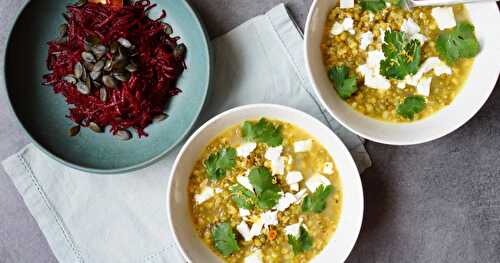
(345, 86)
(411, 106)
(220, 162)
(243, 197)
(224, 239)
(266, 190)
(316, 202)
(301, 244)
(262, 131)
(459, 42)
(402, 56)
(373, 5)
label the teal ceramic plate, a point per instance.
(42, 113)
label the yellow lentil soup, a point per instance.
(265, 191)
(397, 65)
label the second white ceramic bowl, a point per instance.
(191, 246)
(476, 90)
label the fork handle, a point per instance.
(416, 3)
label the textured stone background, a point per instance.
(436, 202)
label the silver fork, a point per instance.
(409, 4)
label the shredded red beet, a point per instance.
(135, 102)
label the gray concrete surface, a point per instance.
(436, 202)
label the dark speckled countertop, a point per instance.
(435, 202)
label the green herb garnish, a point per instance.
(373, 5)
(243, 197)
(220, 162)
(267, 192)
(411, 106)
(224, 239)
(345, 86)
(262, 131)
(303, 243)
(402, 56)
(316, 202)
(459, 42)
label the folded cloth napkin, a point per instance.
(123, 218)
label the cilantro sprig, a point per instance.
(344, 85)
(457, 43)
(316, 202)
(301, 243)
(242, 197)
(411, 106)
(262, 131)
(402, 56)
(372, 5)
(224, 239)
(220, 162)
(267, 192)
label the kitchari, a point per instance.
(265, 191)
(394, 64)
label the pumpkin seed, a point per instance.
(159, 118)
(108, 81)
(78, 70)
(88, 57)
(99, 51)
(180, 52)
(168, 29)
(99, 65)
(81, 3)
(124, 42)
(114, 47)
(90, 42)
(95, 127)
(63, 30)
(70, 79)
(88, 66)
(121, 76)
(131, 67)
(83, 88)
(103, 94)
(73, 131)
(123, 135)
(108, 65)
(94, 75)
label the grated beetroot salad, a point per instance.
(115, 66)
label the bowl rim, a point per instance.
(209, 81)
(357, 222)
(409, 141)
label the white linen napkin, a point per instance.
(123, 218)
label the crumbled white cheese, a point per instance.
(444, 17)
(346, 25)
(244, 212)
(245, 182)
(285, 201)
(328, 168)
(294, 177)
(244, 231)
(346, 4)
(432, 63)
(294, 187)
(315, 181)
(300, 195)
(278, 166)
(206, 193)
(218, 190)
(412, 30)
(294, 229)
(269, 218)
(255, 257)
(246, 149)
(256, 228)
(366, 40)
(371, 71)
(382, 36)
(424, 86)
(371, 16)
(302, 146)
(273, 153)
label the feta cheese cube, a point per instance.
(206, 193)
(302, 146)
(444, 17)
(294, 229)
(328, 168)
(273, 153)
(257, 228)
(245, 149)
(366, 40)
(316, 181)
(294, 187)
(269, 218)
(300, 195)
(346, 4)
(424, 86)
(244, 212)
(244, 231)
(278, 166)
(294, 177)
(346, 25)
(245, 182)
(255, 257)
(285, 201)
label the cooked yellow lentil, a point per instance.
(220, 208)
(343, 49)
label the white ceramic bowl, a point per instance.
(191, 246)
(478, 87)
